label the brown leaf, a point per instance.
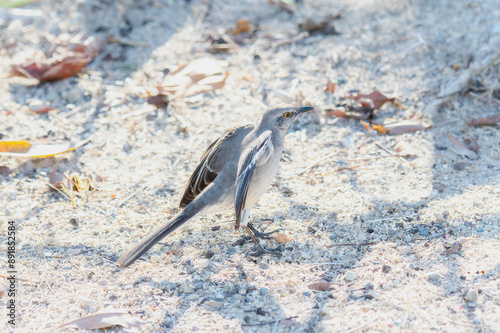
(26, 149)
(490, 121)
(104, 318)
(55, 180)
(402, 129)
(461, 149)
(337, 113)
(200, 75)
(40, 109)
(242, 26)
(375, 100)
(321, 286)
(330, 87)
(5, 171)
(472, 143)
(54, 69)
(161, 101)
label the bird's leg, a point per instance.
(262, 235)
(260, 249)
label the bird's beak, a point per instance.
(305, 109)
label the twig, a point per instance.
(352, 244)
(131, 196)
(269, 322)
(392, 153)
(317, 162)
(290, 40)
(360, 327)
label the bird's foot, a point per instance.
(261, 235)
(260, 250)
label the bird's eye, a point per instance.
(287, 114)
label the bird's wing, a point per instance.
(258, 154)
(212, 161)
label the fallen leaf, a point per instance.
(55, 180)
(40, 109)
(323, 26)
(404, 149)
(402, 129)
(200, 75)
(321, 286)
(472, 143)
(58, 66)
(374, 100)
(395, 128)
(289, 6)
(26, 149)
(242, 26)
(490, 121)
(5, 171)
(161, 101)
(104, 318)
(330, 87)
(337, 113)
(461, 149)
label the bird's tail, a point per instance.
(154, 237)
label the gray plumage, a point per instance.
(233, 173)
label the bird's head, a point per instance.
(282, 117)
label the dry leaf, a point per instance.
(200, 75)
(402, 129)
(5, 171)
(490, 121)
(321, 286)
(312, 26)
(26, 149)
(55, 68)
(104, 318)
(40, 109)
(461, 149)
(395, 128)
(330, 87)
(337, 113)
(161, 101)
(374, 100)
(242, 26)
(472, 143)
(55, 180)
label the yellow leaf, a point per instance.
(26, 149)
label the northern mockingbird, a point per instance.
(234, 171)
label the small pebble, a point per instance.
(209, 254)
(263, 291)
(73, 252)
(471, 296)
(306, 293)
(260, 312)
(424, 232)
(176, 248)
(369, 286)
(480, 230)
(386, 268)
(331, 216)
(433, 278)
(242, 291)
(350, 276)
(214, 304)
(231, 250)
(370, 230)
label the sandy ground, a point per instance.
(337, 184)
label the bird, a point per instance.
(233, 173)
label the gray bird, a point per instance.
(234, 171)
